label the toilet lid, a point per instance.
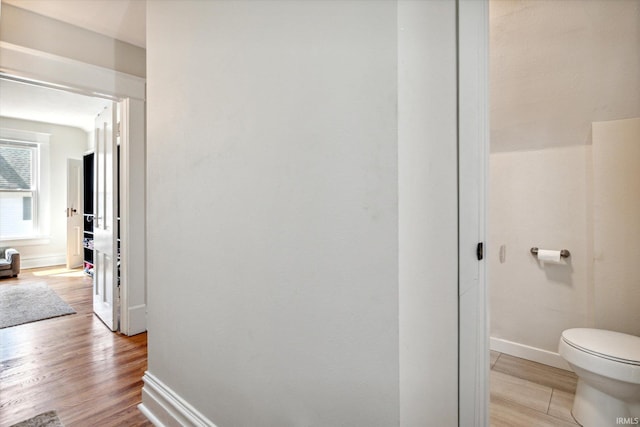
(608, 344)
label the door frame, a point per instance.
(41, 68)
(473, 151)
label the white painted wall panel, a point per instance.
(427, 139)
(616, 224)
(273, 212)
(302, 160)
(538, 199)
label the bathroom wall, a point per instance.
(556, 67)
(539, 198)
(616, 220)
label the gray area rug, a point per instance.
(28, 303)
(48, 419)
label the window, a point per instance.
(18, 189)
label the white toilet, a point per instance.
(608, 368)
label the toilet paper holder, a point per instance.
(563, 253)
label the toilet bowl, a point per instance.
(607, 364)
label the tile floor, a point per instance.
(526, 394)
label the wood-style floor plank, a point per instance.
(73, 364)
(536, 372)
(525, 396)
(505, 413)
(526, 393)
(561, 404)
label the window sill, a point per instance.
(25, 241)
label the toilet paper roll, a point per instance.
(549, 257)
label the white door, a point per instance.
(74, 213)
(105, 286)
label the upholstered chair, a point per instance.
(9, 262)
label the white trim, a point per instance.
(42, 261)
(68, 74)
(20, 135)
(149, 415)
(534, 354)
(136, 317)
(26, 241)
(473, 143)
(164, 407)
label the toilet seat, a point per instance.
(607, 364)
(614, 346)
(587, 349)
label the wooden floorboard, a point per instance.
(72, 364)
(525, 393)
(536, 372)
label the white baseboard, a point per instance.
(137, 320)
(42, 261)
(530, 353)
(165, 408)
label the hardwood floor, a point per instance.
(525, 393)
(73, 364)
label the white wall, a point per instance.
(65, 143)
(274, 183)
(616, 224)
(556, 66)
(539, 199)
(427, 138)
(59, 38)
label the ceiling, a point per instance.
(36, 103)
(119, 19)
(124, 20)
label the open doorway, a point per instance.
(45, 134)
(558, 71)
(128, 91)
(43, 344)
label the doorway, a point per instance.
(45, 70)
(557, 68)
(58, 128)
